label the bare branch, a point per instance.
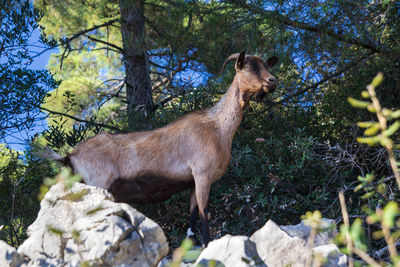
(82, 120)
(104, 42)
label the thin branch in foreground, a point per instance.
(347, 225)
(351, 248)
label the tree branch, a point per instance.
(104, 42)
(82, 120)
(376, 48)
(67, 41)
(315, 85)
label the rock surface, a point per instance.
(273, 246)
(9, 255)
(230, 250)
(83, 224)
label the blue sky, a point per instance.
(16, 141)
(194, 75)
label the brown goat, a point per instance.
(191, 152)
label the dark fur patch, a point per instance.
(148, 188)
(66, 161)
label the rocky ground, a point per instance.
(83, 225)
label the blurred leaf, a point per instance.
(377, 79)
(357, 103)
(392, 129)
(93, 211)
(368, 195)
(386, 142)
(386, 112)
(55, 230)
(367, 124)
(75, 234)
(371, 108)
(358, 187)
(312, 219)
(368, 140)
(75, 196)
(365, 94)
(394, 115)
(390, 211)
(373, 218)
(381, 188)
(377, 234)
(192, 255)
(43, 191)
(357, 234)
(373, 130)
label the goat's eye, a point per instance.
(247, 67)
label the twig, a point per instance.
(383, 124)
(84, 32)
(349, 242)
(310, 246)
(81, 120)
(364, 256)
(317, 84)
(379, 253)
(104, 42)
(388, 238)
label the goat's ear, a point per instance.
(240, 61)
(271, 62)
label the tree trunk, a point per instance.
(138, 84)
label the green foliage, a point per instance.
(386, 218)
(20, 180)
(290, 154)
(22, 90)
(184, 252)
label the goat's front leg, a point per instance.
(202, 189)
(194, 212)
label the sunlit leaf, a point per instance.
(392, 129)
(358, 188)
(368, 140)
(390, 211)
(371, 108)
(358, 103)
(366, 124)
(357, 234)
(377, 80)
(373, 218)
(367, 195)
(381, 188)
(394, 115)
(365, 94)
(385, 141)
(373, 130)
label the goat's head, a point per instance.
(253, 75)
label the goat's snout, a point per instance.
(269, 84)
(272, 80)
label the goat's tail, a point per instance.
(48, 153)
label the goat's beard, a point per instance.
(260, 96)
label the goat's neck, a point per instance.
(228, 112)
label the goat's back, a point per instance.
(151, 163)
